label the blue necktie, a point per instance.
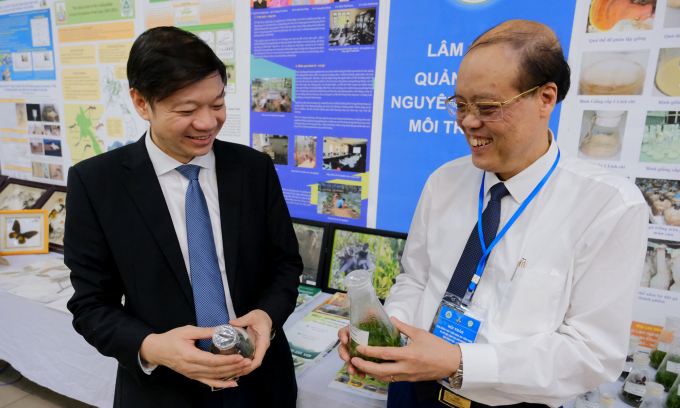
(206, 278)
(472, 254)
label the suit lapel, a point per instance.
(229, 187)
(141, 182)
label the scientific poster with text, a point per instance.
(622, 113)
(312, 72)
(426, 44)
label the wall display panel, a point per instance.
(352, 248)
(422, 64)
(312, 72)
(621, 113)
(64, 94)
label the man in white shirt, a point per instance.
(555, 327)
(194, 232)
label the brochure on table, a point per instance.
(311, 338)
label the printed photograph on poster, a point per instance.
(40, 170)
(613, 73)
(667, 78)
(274, 145)
(22, 117)
(15, 197)
(33, 110)
(49, 113)
(52, 147)
(602, 134)
(52, 130)
(305, 152)
(272, 94)
(310, 239)
(36, 146)
(663, 200)
(672, 17)
(352, 27)
(662, 266)
(339, 200)
(36, 129)
(56, 172)
(259, 4)
(345, 154)
(661, 138)
(377, 254)
(612, 15)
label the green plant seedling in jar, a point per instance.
(670, 366)
(369, 323)
(673, 398)
(663, 344)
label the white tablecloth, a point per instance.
(41, 343)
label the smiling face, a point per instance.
(185, 124)
(507, 146)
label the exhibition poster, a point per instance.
(64, 94)
(312, 71)
(619, 114)
(418, 135)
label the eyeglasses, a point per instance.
(485, 111)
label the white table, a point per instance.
(41, 343)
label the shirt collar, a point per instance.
(521, 185)
(162, 163)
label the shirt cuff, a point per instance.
(148, 368)
(480, 366)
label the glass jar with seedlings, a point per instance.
(368, 321)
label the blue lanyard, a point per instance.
(487, 251)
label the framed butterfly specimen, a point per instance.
(24, 232)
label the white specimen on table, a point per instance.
(662, 280)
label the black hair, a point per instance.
(541, 57)
(164, 60)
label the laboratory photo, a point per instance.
(305, 151)
(613, 73)
(620, 15)
(602, 134)
(667, 77)
(672, 17)
(661, 138)
(663, 200)
(661, 269)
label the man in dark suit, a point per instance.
(194, 232)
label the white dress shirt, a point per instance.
(174, 187)
(560, 327)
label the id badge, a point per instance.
(457, 323)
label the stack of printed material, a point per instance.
(316, 335)
(305, 296)
(45, 282)
(368, 387)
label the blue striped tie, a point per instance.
(206, 278)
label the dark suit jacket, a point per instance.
(120, 240)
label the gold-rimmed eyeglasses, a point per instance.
(485, 111)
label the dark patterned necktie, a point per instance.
(206, 277)
(472, 254)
